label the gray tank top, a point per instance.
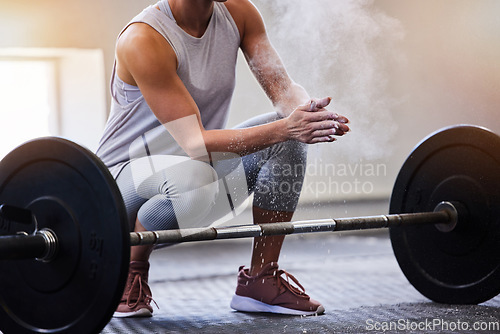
(207, 68)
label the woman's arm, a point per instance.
(267, 66)
(145, 59)
(264, 61)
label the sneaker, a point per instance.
(137, 296)
(272, 292)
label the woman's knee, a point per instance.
(294, 151)
(188, 177)
(288, 161)
(181, 201)
(182, 210)
(170, 175)
(171, 191)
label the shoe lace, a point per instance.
(297, 290)
(143, 292)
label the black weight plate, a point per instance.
(458, 164)
(71, 192)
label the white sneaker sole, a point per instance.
(246, 304)
(141, 313)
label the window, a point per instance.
(27, 98)
(56, 92)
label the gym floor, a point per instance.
(354, 275)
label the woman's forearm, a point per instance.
(198, 142)
(247, 140)
(310, 123)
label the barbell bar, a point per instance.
(286, 228)
(43, 244)
(443, 223)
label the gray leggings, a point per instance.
(170, 192)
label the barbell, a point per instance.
(65, 239)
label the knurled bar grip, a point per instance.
(306, 226)
(38, 246)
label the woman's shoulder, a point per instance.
(244, 12)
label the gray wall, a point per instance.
(398, 69)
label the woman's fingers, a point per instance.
(329, 128)
(327, 120)
(315, 104)
(318, 104)
(312, 123)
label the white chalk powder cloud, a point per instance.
(344, 49)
